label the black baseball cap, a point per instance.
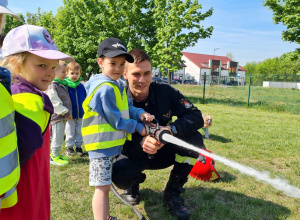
(113, 47)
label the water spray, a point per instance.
(164, 136)
(277, 183)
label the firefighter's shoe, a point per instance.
(58, 160)
(132, 195)
(176, 206)
(172, 199)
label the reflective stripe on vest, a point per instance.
(10, 198)
(96, 131)
(31, 106)
(188, 160)
(9, 160)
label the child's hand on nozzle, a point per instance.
(148, 117)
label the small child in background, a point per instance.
(207, 123)
(107, 122)
(32, 57)
(77, 94)
(59, 96)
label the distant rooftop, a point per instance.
(202, 60)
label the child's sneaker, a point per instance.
(79, 151)
(58, 160)
(70, 152)
(64, 157)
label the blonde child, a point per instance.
(59, 96)
(32, 57)
(106, 121)
(207, 123)
(77, 94)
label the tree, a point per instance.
(82, 25)
(250, 67)
(282, 65)
(11, 22)
(288, 13)
(229, 55)
(43, 19)
(162, 27)
(177, 25)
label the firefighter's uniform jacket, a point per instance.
(165, 102)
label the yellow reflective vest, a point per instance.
(9, 158)
(31, 106)
(96, 131)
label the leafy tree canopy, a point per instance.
(275, 66)
(177, 26)
(287, 12)
(163, 28)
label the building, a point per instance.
(216, 69)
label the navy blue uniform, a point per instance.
(164, 102)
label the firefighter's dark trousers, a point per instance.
(127, 171)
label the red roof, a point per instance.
(202, 60)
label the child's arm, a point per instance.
(57, 103)
(139, 113)
(104, 103)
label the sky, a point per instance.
(243, 28)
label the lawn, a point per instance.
(272, 99)
(260, 138)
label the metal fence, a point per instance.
(258, 79)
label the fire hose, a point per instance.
(157, 133)
(165, 136)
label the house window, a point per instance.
(215, 68)
(232, 69)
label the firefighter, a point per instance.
(164, 102)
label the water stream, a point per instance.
(277, 183)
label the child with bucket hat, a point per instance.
(32, 57)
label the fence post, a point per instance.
(204, 87)
(249, 89)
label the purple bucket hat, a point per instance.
(33, 39)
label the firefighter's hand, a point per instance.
(167, 128)
(148, 117)
(150, 145)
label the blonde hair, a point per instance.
(61, 63)
(13, 63)
(73, 65)
(207, 120)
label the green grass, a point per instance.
(258, 138)
(273, 99)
